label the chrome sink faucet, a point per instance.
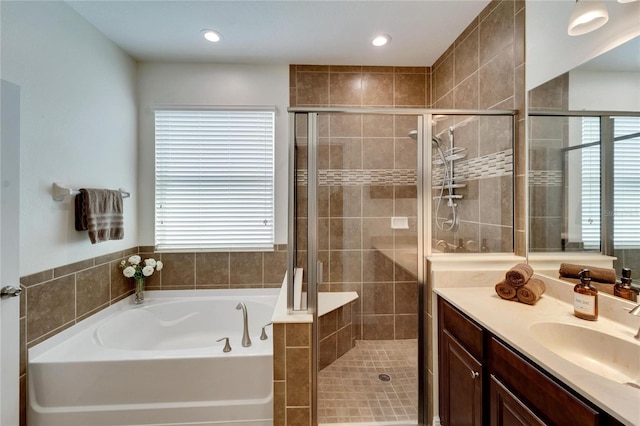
(246, 341)
(636, 311)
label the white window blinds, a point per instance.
(626, 176)
(590, 161)
(214, 179)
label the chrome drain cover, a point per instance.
(384, 377)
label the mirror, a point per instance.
(584, 165)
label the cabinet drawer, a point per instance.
(544, 396)
(462, 328)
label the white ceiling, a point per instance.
(625, 57)
(283, 32)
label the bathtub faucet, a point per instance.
(246, 341)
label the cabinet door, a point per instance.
(461, 385)
(507, 410)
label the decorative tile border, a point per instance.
(545, 178)
(358, 177)
(487, 166)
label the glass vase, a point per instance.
(139, 291)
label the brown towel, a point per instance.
(530, 292)
(101, 211)
(506, 291)
(601, 287)
(601, 275)
(81, 212)
(519, 275)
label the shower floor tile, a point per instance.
(350, 390)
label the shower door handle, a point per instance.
(319, 267)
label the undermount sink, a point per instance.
(600, 353)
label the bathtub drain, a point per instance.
(384, 377)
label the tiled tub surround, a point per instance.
(55, 299)
(173, 337)
(292, 373)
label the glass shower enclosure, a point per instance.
(364, 191)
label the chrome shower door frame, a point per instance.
(425, 123)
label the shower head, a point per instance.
(413, 134)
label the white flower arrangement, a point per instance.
(138, 270)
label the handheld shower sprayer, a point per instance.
(447, 183)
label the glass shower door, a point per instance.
(366, 237)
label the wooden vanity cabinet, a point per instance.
(508, 389)
(460, 369)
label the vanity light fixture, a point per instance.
(587, 16)
(212, 36)
(381, 40)
(626, 1)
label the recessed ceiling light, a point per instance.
(381, 40)
(211, 35)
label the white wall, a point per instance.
(604, 91)
(210, 84)
(78, 126)
(550, 51)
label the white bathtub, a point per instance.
(158, 364)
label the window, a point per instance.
(214, 179)
(626, 175)
(590, 169)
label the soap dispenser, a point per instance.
(585, 298)
(623, 288)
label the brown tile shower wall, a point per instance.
(484, 69)
(55, 299)
(546, 137)
(336, 334)
(365, 163)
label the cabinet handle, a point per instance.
(474, 374)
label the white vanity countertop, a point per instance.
(510, 322)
